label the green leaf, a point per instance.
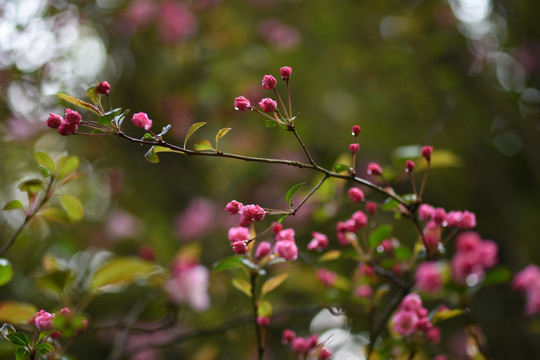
(19, 339)
(44, 348)
(66, 165)
(231, 262)
(221, 133)
(93, 95)
(55, 214)
(379, 234)
(16, 312)
(292, 191)
(72, 206)
(21, 354)
(56, 281)
(497, 275)
(120, 272)
(389, 204)
(109, 116)
(242, 285)
(342, 168)
(44, 160)
(31, 186)
(445, 315)
(282, 218)
(264, 308)
(402, 253)
(273, 283)
(78, 102)
(6, 271)
(151, 156)
(202, 145)
(271, 123)
(330, 255)
(14, 205)
(192, 130)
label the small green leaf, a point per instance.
(497, 275)
(109, 116)
(66, 165)
(445, 315)
(55, 214)
(55, 281)
(389, 204)
(379, 234)
(342, 168)
(16, 312)
(292, 191)
(93, 95)
(202, 145)
(6, 271)
(72, 206)
(192, 130)
(120, 272)
(402, 253)
(31, 186)
(264, 308)
(273, 283)
(151, 156)
(78, 102)
(165, 130)
(44, 348)
(21, 353)
(44, 160)
(330, 255)
(282, 218)
(221, 133)
(147, 137)
(242, 285)
(14, 205)
(271, 123)
(231, 262)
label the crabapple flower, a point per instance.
(426, 152)
(234, 207)
(360, 219)
(269, 82)
(66, 128)
(239, 233)
(263, 249)
(425, 211)
(319, 241)
(240, 247)
(356, 195)
(54, 121)
(409, 166)
(371, 207)
(429, 278)
(439, 215)
(324, 355)
(268, 105)
(188, 284)
(405, 322)
(326, 277)
(65, 312)
(300, 345)
(141, 120)
(411, 302)
(468, 220)
(285, 72)
(354, 147)
(288, 336)
(528, 281)
(433, 334)
(356, 130)
(473, 256)
(285, 235)
(263, 321)
(42, 320)
(242, 104)
(251, 213)
(103, 88)
(73, 117)
(286, 249)
(363, 291)
(374, 169)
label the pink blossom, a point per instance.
(426, 152)
(300, 345)
(527, 278)
(425, 211)
(360, 219)
(285, 72)
(188, 284)
(363, 291)
(54, 121)
(241, 103)
(319, 241)
(429, 278)
(411, 302)
(176, 23)
(473, 256)
(279, 34)
(354, 147)
(439, 215)
(366, 269)
(141, 120)
(287, 250)
(434, 335)
(468, 220)
(313, 340)
(73, 117)
(424, 324)
(405, 322)
(432, 238)
(197, 220)
(453, 218)
(324, 355)
(288, 336)
(103, 88)
(234, 207)
(276, 228)
(251, 213)
(268, 82)
(263, 321)
(371, 207)
(263, 249)
(65, 312)
(374, 169)
(342, 238)
(326, 277)
(268, 105)
(356, 130)
(409, 166)
(239, 233)
(66, 128)
(286, 234)
(147, 253)
(533, 301)
(240, 247)
(42, 320)
(387, 245)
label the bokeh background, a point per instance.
(461, 75)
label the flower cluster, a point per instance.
(346, 229)
(248, 213)
(412, 318)
(303, 347)
(355, 146)
(429, 277)
(473, 256)
(64, 322)
(67, 125)
(528, 281)
(188, 284)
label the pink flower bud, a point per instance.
(405, 322)
(356, 130)
(300, 345)
(234, 207)
(425, 211)
(285, 72)
(364, 291)
(360, 219)
(427, 151)
(371, 207)
(319, 241)
(326, 277)
(287, 250)
(432, 237)
(240, 247)
(241, 103)
(409, 166)
(147, 253)
(429, 278)
(276, 228)
(263, 249)
(141, 120)
(251, 213)
(263, 321)
(268, 105)
(468, 220)
(411, 302)
(55, 335)
(324, 355)
(313, 340)
(438, 216)
(269, 82)
(239, 233)
(42, 320)
(354, 147)
(366, 269)
(103, 88)
(356, 195)
(453, 218)
(374, 169)
(434, 335)
(387, 245)
(288, 336)
(285, 235)
(424, 324)
(66, 128)
(65, 312)
(54, 121)
(73, 117)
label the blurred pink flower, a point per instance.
(176, 23)
(42, 320)
(279, 34)
(197, 220)
(429, 277)
(121, 225)
(188, 284)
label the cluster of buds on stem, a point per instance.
(304, 348)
